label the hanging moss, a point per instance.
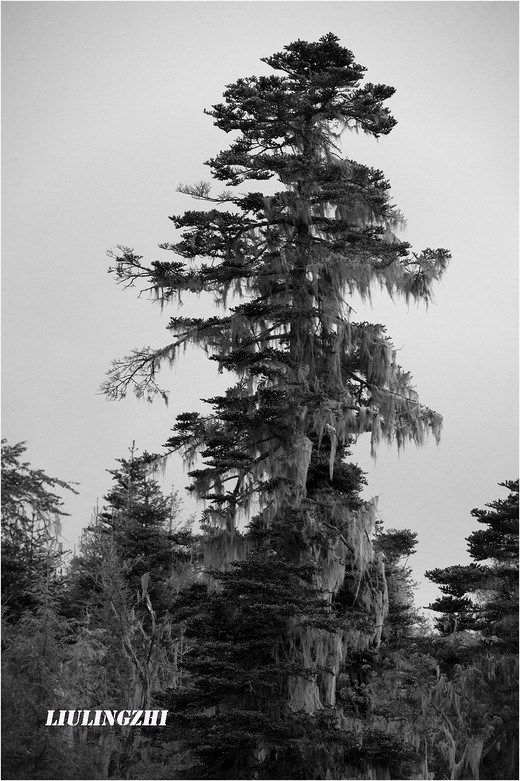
(298, 592)
(221, 549)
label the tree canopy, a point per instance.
(288, 260)
(283, 263)
(32, 510)
(483, 596)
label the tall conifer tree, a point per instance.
(281, 263)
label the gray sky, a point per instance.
(103, 118)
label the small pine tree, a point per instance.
(121, 590)
(483, 596)
(396, 545)
(143, 527)
(31, 524)
(479, 646)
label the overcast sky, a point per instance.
(103, 118)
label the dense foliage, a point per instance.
(479, 649)
(483, 595)
(33, 631)
(282, 262)
(31, 521)
(415, 705)
(281, 636)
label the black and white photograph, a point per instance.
(260, 389)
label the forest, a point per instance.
(277, 626)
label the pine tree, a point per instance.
(483, 596)
(144, 529)
(31, 524)
(478, 651)
(36, 653)
(121, 591)
(309, 381)
(396, 545)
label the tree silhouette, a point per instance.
(282, 262)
